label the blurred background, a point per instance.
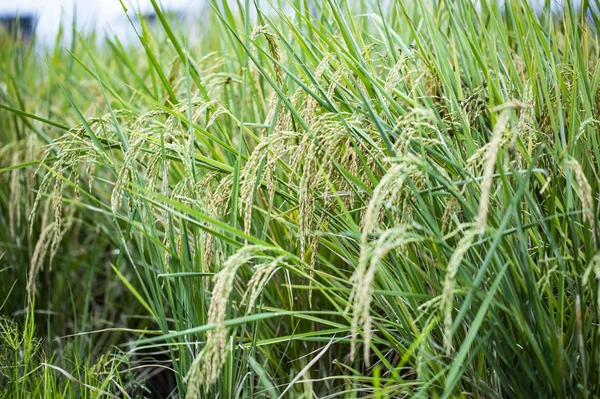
(45, 17)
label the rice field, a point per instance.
(305, 200)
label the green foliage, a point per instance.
(342, 199)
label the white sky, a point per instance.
(104, 15)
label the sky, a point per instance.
(102, 15)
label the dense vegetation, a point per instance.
(345, 199)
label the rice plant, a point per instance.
(307, 199)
